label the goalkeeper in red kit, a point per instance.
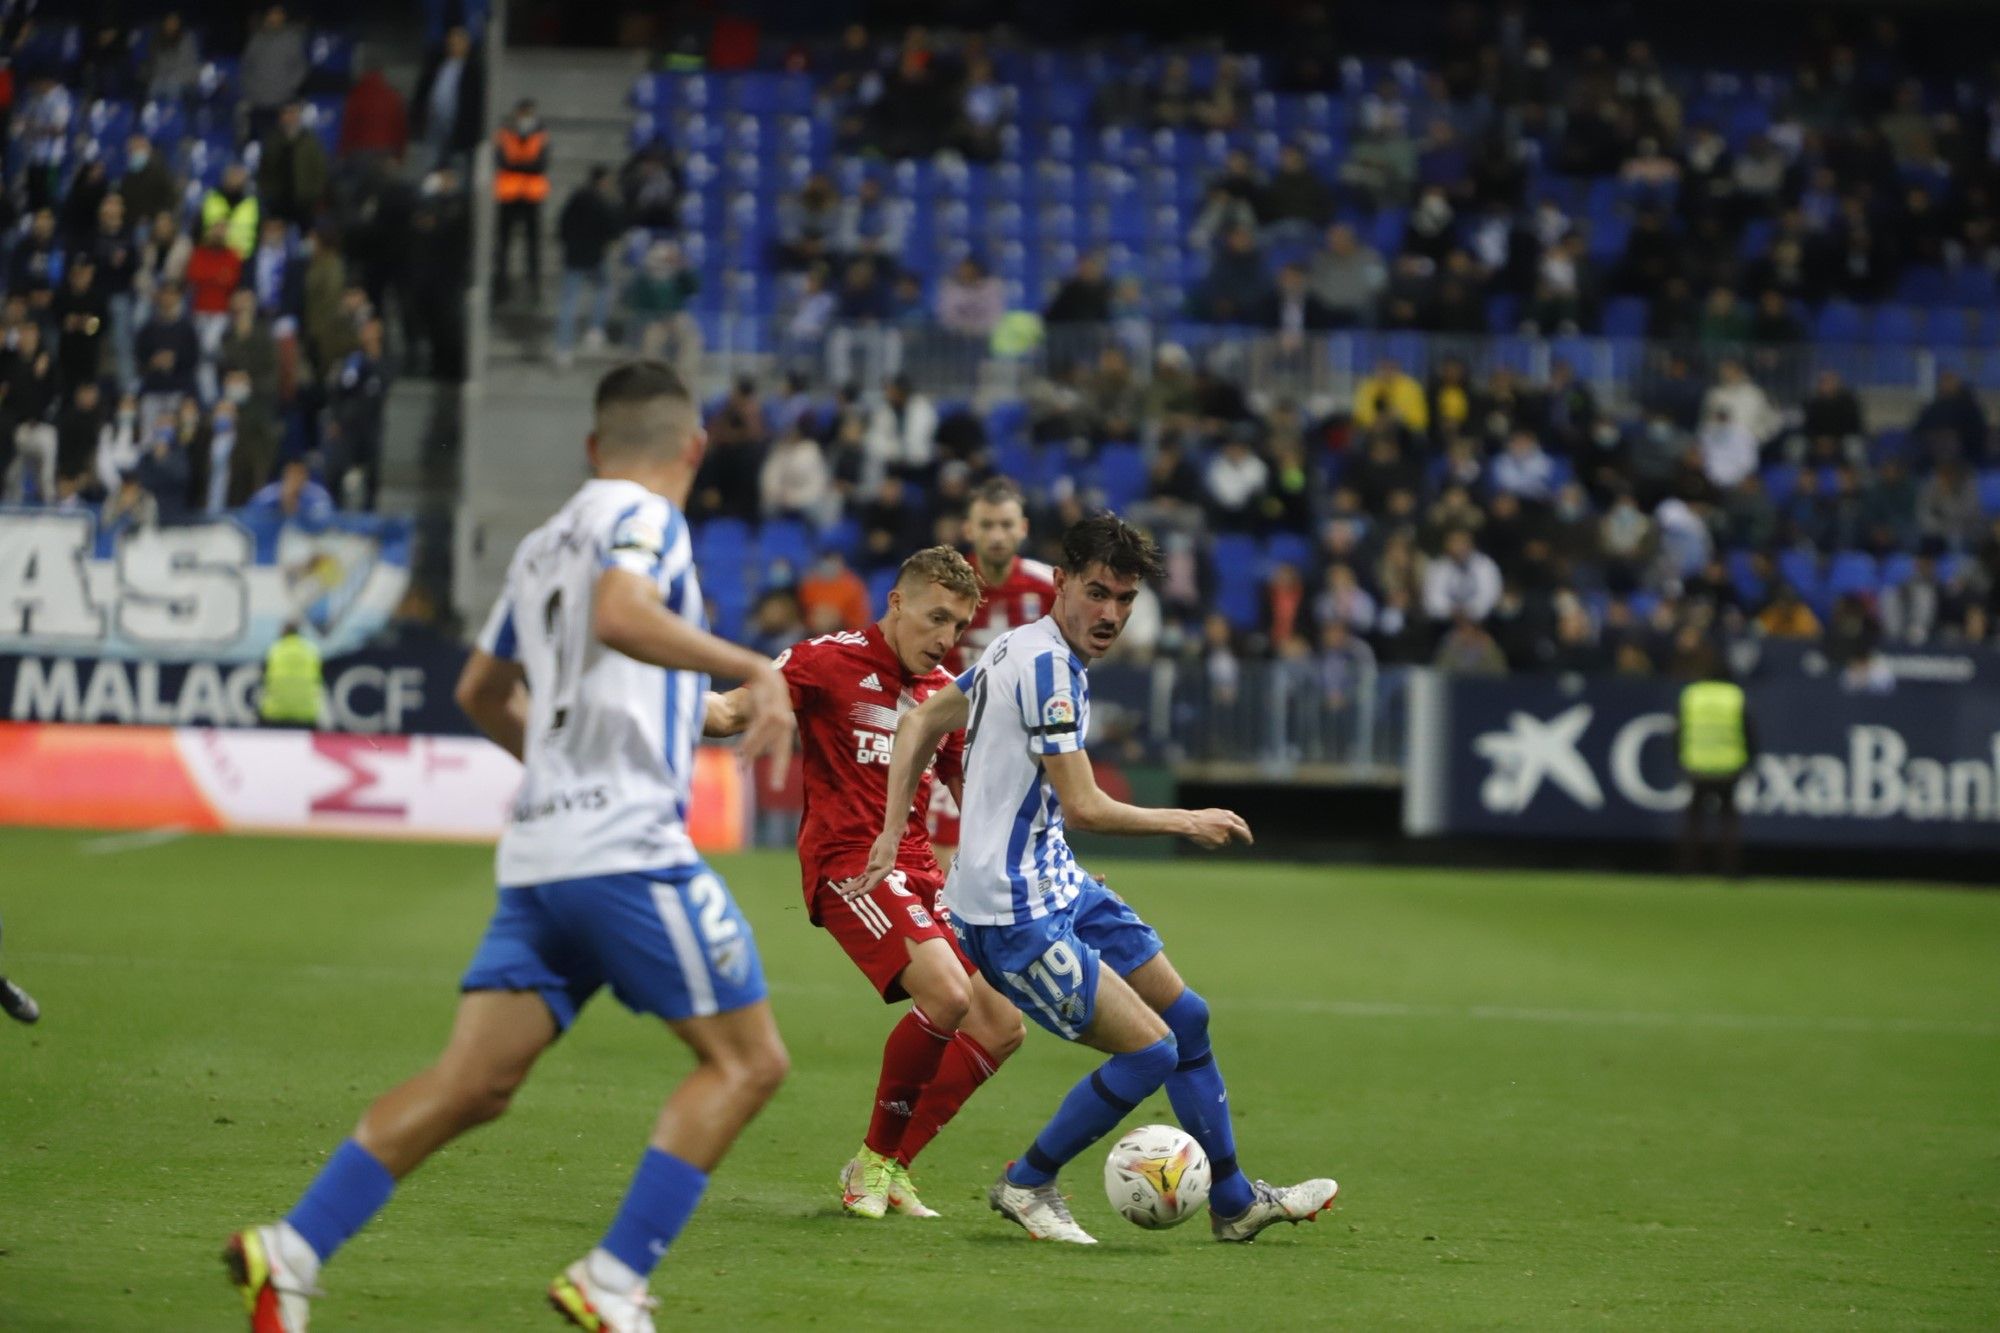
(848, 692)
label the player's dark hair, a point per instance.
(999, 491)
(1108, 540)
(643, 408)
(640, 382)
(943, 566)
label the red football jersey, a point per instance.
(848, 691)
(1023, 598)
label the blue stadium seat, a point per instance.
(721, 541)
(1239, 603)
(1852, 572)
(1121, 472)
(1743, 576)
(786, 539)
(1625, 317)
(1896, 569)
(1289, 548)
(1924, 284)
(1974, 285)
(879, 584)
(1900, 325)
(1989, 492)
(1840, 322)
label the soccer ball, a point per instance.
(1156, 1177)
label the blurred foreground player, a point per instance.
(849, 690)
(1070, 953)
(592, 670)
(1013, 591)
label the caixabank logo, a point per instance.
(1572, 762)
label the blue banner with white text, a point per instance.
(1563, 757)
(213, 590)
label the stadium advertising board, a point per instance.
(211, 780)
(407, 690)
(214, 591)
(1568, 758)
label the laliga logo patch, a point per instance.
(1059, 712)
(639, 534)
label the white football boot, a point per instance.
(1041, 1211)
(1271, 1204)
(276, 1296)
(581, 1299)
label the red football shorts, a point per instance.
(875, 928)
(943, 817)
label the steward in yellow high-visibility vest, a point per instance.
(1715, 746)
(232, 204)
(293, 683)
(1713, 741)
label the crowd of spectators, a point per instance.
(1479, 524)
(1510, 186)
(186, 313)
(1472, 519)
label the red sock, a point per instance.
(909, 1061)
(965, 1066)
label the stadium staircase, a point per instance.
(524, 422)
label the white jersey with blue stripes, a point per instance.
(1030, 697)
(610, 740)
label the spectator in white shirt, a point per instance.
(1236, 481)
(902, 433)
(1728, 449)
(1746, 401)
(1523, 469)
(794, 481)
(119, 444)
(1463, 581)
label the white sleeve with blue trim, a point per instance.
(1052, 706)
(496, 637)
(645, 538)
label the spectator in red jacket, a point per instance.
(375, 119)
(213, 272)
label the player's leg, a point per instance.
(1238, 1207)
(1142, 1054)
(991, 1032)
(905, 953)
(940, 998)
(674, 945)
(494, 1042)
(1196, 1089)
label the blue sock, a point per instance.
(664, 1191)
(1202, 1103)
(349, 1190)
(1093, 1109)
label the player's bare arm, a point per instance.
(494, 694)
(629, 618)
(918, 736)
(725, 713)
(1086, 808)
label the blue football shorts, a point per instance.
(1048, 966)
(668, 942)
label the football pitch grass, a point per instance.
(1551, 1100)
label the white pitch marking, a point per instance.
(137, 841)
